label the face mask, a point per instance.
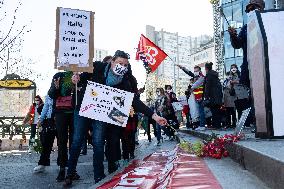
(37, 102)
(158, 93)
(234, 70)
(119, 69)
(169, 90)
(196, 73)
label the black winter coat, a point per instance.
(213, 88)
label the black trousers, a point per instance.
(64, 125)
(112, 148)
(231, 117)
(128, 143)
(33, 133)
(216, 116)
(47, 136)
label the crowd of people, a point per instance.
(59, 117)
(209, 104)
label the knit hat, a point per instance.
(259, 3)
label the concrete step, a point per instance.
(263, 158)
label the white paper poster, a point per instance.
(107, 104)
(177, 106)
(74, 32)
(183, 100)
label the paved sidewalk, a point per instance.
(17, 168)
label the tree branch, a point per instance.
(6, 45)
(14, 18)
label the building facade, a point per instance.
(100, 54)
(205, 54)
(178, 49)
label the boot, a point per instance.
(61, 174)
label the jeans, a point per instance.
(158, 132)
(80, 129)
(33, 133)
(64, 126)
(201, 114)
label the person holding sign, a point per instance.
(116, 74)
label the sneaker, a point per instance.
(68, 181)
(61, 175)
(158, 143)
(30, 149)
(200, 129)
(99, 179)
(75, 176)
(132, 156)
(39, 169)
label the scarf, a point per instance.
(111, 78)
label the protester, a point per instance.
(240, 90)
(115, 74)
(32, 118)
(107, 59)
(47, 134)
(161, 110)
(61, 91)
(229, 101)
(240, 40)
(213, 94)
(197, 89)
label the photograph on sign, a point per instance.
(74, 46)
(107, 104)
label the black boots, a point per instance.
(61, 174)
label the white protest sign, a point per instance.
(183, 100)
(107, 104)
(74, 40)
(177, 106)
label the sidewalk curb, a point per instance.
(268, 169)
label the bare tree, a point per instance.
(11, 44)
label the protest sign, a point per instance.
(107, 104)
(177, 106)
(183, 100)
(74, 45)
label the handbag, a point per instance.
(64, 103)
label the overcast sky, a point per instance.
(118, 25)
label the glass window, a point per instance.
(229, 50)
(237, 15)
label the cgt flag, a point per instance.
(151, 55)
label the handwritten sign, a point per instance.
(177, 106)
(241, 122)
(107, 104)
(74, 46)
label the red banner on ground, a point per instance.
(166, 169)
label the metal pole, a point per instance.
(7, 63)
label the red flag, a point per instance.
(151, 55)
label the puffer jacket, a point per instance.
(213, 89)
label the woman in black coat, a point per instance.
(213, 95)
